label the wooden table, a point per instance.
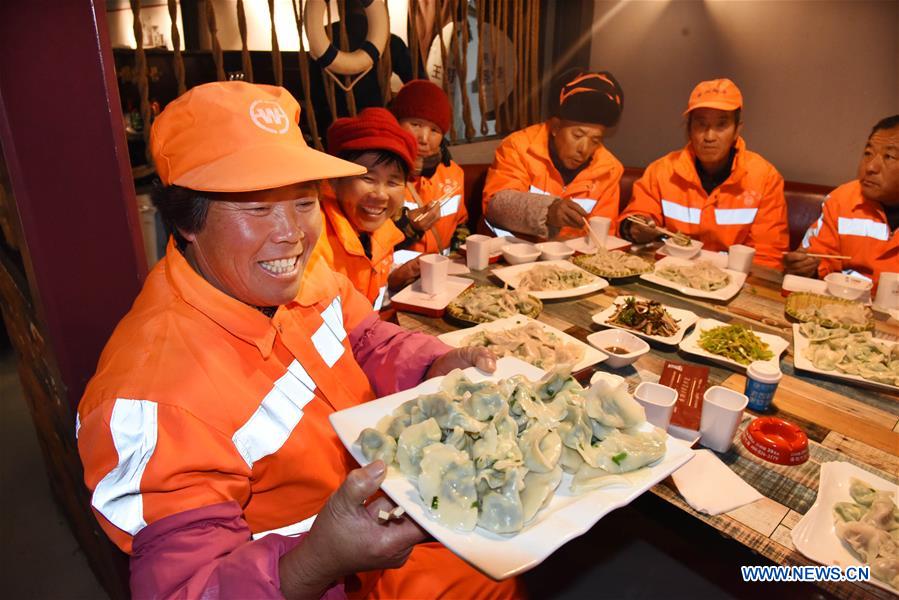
(843, 422)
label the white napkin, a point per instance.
(710, 487)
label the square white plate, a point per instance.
(815, 534)
(413, 296)
(585, 245)
(690, 344)
(800, 343)
(726, 293)
(685, 319)
(457, 338)
(564, 518)
(512, 275)
(719, 259)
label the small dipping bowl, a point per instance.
(516, 254)
(615, 338)
(846, 287)
(554, 250)
(776, 441)
(678, 251)
(658, 401)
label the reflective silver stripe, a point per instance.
(536, 190)
(497, 231)
(586, 203)
(863, 227)
(379, 301)
(77, 424)
(735, 216)
(278, 414)
(410, 205)
(401, 257)
(812, 232)
(134, 430)
(289, 530)
(451, 206)
(329, 337)
(679, 212)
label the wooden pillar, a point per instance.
(80, 261)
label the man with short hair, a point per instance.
(860, 219)
(714, 189)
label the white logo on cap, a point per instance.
(269, 116)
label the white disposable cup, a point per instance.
(434, 270)
(600, 227)
(739, 258)
(658, 400)
(888, 291)
(722, 410)
(477, 251)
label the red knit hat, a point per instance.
(421, 99)
(372, 129)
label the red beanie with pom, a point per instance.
(421, 99)
(372, 129)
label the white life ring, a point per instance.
(346, 63)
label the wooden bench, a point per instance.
(804, 200)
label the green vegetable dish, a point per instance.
(736, 343)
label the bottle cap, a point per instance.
(764, 371)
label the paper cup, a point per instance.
(887, 296)
(658, 401)
(477, 251)
(722, 410)
(600, 227)
(434, 270)
(739, 258)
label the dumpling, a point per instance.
(456, 384)
(483, 404)
(376, 445)
(861, 492)
(541, 448)
(863, 539)
(447, 486)
(502, 512)
(575, 429)
(412, 442)
(609, 402)
(589, 478)
(548, 414)
(555, 383)
(538, 491)
(622, 452)
(848, 511)
(571, 460)
(882, 513)
(458, 440)
(492, 447)
(886, 569)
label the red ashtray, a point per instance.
(776, 440)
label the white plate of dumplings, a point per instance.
(565, 516)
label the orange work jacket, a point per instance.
(748, 208)
(341, 248)
(199, 399)
(452, 212)
(522, 163)
(851, 225)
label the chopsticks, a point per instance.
(441, 201)
(592, 234)
(837, 256)
(641, 221)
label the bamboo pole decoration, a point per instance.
(143, 83)
(482, 95)
(437, 25)
(345, 46)
(329, 83)
(452, 55)
(176, 47)
(276, 49)
(525, 68)
(516, 41)
(463, 73)
(245, 52)
(385, 66)
(304, 77)
(535, 56)
(412, 28)
(216, 47)
(494, 36)
(505, 96)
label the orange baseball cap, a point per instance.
(233, 136)
(722, 94)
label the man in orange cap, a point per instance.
(434, 212)
(204, 432)
(714, 189)
(546, 179)
(360, 235)
(860, 219)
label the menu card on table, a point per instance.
(690, 382)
